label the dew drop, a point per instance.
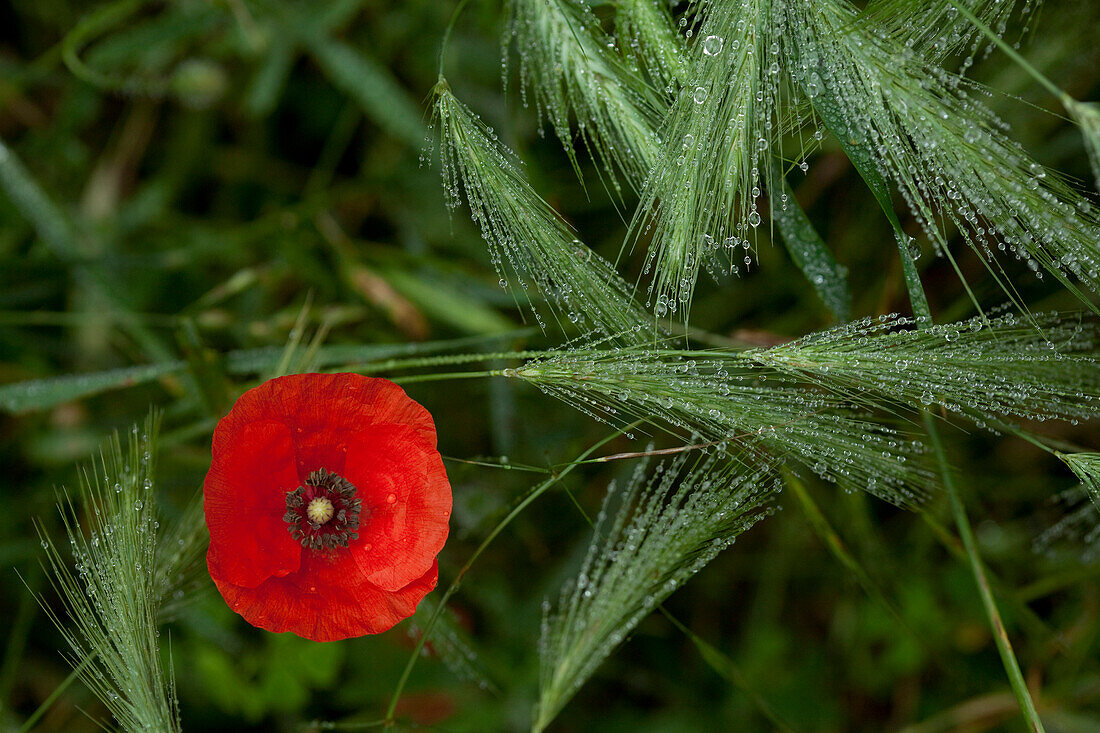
(813, 86)
(712, 45)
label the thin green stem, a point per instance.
(836, 545)
(446, 376)
(923, 312)
(533, 494)
(447, 33)
(444, 360)
(723, 665)
(1045, 442)
(1027, 618)
(1010, 52)
(17, 641)
(30, 722)
(103, 19)
(1000, 636)
(1056, 582)
(346, 725)
(496, 464)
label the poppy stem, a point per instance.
(533, 494)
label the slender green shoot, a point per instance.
(1000, 636)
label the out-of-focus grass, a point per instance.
(222, 164)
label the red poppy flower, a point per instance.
(327, 503)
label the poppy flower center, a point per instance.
(323, 513)
(320, 510)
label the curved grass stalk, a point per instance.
(938, 29)
(530, 244)
(569, 66)
(667, 528)
(977, 568)
(1004, 366)
(700, 204)
(930, 134)
(728, 399)
(103, 19)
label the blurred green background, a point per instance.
(216, 168)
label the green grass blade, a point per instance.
(727, 669)
(836, 545)
(379, 94)
(806, 248)
(53, 225)
(977, 568)
(832, 113)
(43, 394)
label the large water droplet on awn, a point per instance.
(813, 86)
(712, 45)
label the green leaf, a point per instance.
(856, 146)
(371, 85)
(42, 394)
(53, 225)
(809, 253)
(446, 305)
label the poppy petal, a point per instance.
(328, 601)
(249, 542)
(406, 506)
